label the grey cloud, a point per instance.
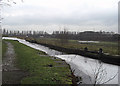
(37, 15)
(39, 19)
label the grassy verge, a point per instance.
(4, 48)
(30, 60)
(108, 47)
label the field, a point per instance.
(41, 69)
(108, 47)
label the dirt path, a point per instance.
(9, 58)
(10, 73)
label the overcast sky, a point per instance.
(50, 15)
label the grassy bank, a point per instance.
(4, 48)
(108, 47)
(0, 50)
(38, 67)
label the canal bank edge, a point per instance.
(115, 60)
(72, 76)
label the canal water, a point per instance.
(90, 70)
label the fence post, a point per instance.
(85, 49)
(100, 53)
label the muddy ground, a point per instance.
(10, 73)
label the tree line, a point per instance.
(65, 35)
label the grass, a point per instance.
(4, 48)
(108, 47)
(30, 60)
(0, 47)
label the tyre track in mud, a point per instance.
(10, 73)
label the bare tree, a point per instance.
(5, 3)
(99, 76)
(63, 36)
